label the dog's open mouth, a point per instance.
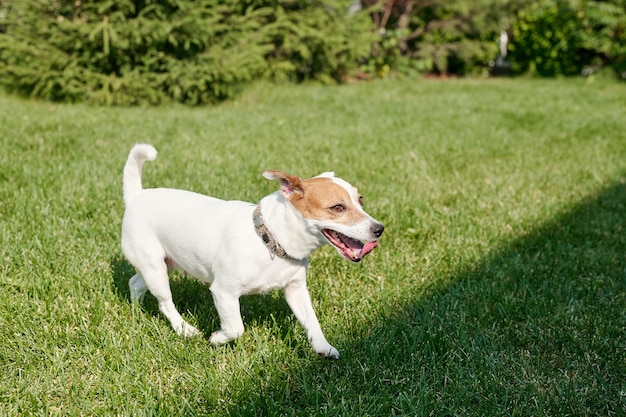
(351, 249)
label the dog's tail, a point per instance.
(139, 154)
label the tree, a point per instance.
(456, 36)
(154, 51)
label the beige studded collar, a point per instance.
(268, 240)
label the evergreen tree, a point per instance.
(154, 51)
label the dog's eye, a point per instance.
(361, 200)
(338, 208)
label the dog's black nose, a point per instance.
(377, 229)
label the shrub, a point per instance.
(547, 40)
(561, 37)
(320, 43)
(154, 51)
(604, 34)
(548, 37)
(446, 37)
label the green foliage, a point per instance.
(457, 37)
(444, 37)
(317, 43)
(150, 52)
(462, 40)
(547, 39)
(142, 52)
(120, 52)
(604, 24)
(569, 37)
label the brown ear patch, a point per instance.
(290, 185)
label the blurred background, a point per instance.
(146, 52)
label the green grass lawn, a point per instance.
(499, 287)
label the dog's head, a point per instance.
(335, 208)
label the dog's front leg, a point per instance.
(299, 300)
(227, 306)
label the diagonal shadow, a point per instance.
(539, 328)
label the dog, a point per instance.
(237, 247)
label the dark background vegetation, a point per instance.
(129, 52)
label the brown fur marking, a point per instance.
(319, 195)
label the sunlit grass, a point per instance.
(498, 288)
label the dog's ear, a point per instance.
(290, 185)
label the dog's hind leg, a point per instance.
(137, 288)
(157, 282)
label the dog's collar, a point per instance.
(268, 240)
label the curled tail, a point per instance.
(132, 170)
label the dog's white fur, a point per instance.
(216, 241)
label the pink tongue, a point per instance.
(367, 248)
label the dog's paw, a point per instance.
(220, 338)
(136, 296)
(187, 330)
(330, 353)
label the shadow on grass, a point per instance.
(537, 328)
(193, 300)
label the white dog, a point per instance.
(237, 247)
